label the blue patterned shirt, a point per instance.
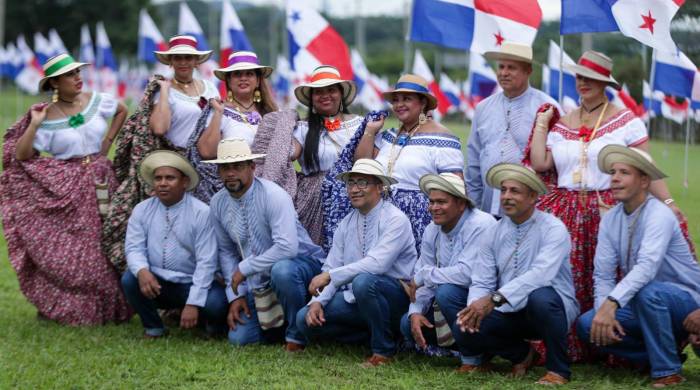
(175, 243)
(265, 225)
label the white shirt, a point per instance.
(423, 154)
(234, 125)
(330, 144)
(184, 112)
(64, 142)
(623, 128)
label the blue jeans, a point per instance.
(653, 324)
(451, 299)
(173, 296)
(505, 334)
(290, 279)
(380, 303)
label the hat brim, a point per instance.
(612, 154)
(167, 158)
(498, 56)
(585, 72)
(506, 171)
(164, 56)
(386, 180)
(432, 100)
(64, 70)
(431, 182)
(222, 72)
(236, 159)
(303, 92)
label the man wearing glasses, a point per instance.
(358, 295)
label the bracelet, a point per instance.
(668, 201)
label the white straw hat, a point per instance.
(233, 150)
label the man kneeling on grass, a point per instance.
(359, 293)
(646, 315)
(171, 250)
(442, 275)
(522, 288)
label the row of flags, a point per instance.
(476, 26)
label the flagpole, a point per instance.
(561, 69)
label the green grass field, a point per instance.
(40, 354)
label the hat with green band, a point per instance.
(56, 66)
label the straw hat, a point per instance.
(367, 166)
(183, 45)
(446, 182)
(506, 171)
(242, 60)
(411, 83)
(167, 158)
(596, 66)
(511, 51)
(233, 150)
(324, 76)
(635, 157)
(56, 66)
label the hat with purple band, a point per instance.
(242, 60)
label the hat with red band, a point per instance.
(596, 66)
(324, 76)
(182, 45)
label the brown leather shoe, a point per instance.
(519, 370)
(552, 379)
(469, 368)
(376, 360)
(670, 380)
(294, 347)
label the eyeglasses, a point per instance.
(360, 183)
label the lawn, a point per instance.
(39, 354)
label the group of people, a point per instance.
(556, 242)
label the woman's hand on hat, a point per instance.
(217, 105)
(543, 118)
(38, 116)
(373, 127)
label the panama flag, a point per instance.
(150, 39)
(105, 62)
(421, 68)
(314, 42)
(476, 25)
(648, 21)
(569, 94)
(42, 48)
(674, 74)
(29, 69)
(451, 91)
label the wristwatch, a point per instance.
(498, 299)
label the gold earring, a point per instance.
(54, 97)
(229, 96)
(257, 97)
(422, 118)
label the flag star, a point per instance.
(499, 38)
(648, 22)
(295, 16)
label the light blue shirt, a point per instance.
(541, 260)
(175, 243)
(659, 253)
(379, 243)
(447, 258)
(265, 224)
(491, 143)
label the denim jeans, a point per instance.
(653, 324)
(380, 303)
(451, 299)
(173, 296)
(505, 334)
(290, 280)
